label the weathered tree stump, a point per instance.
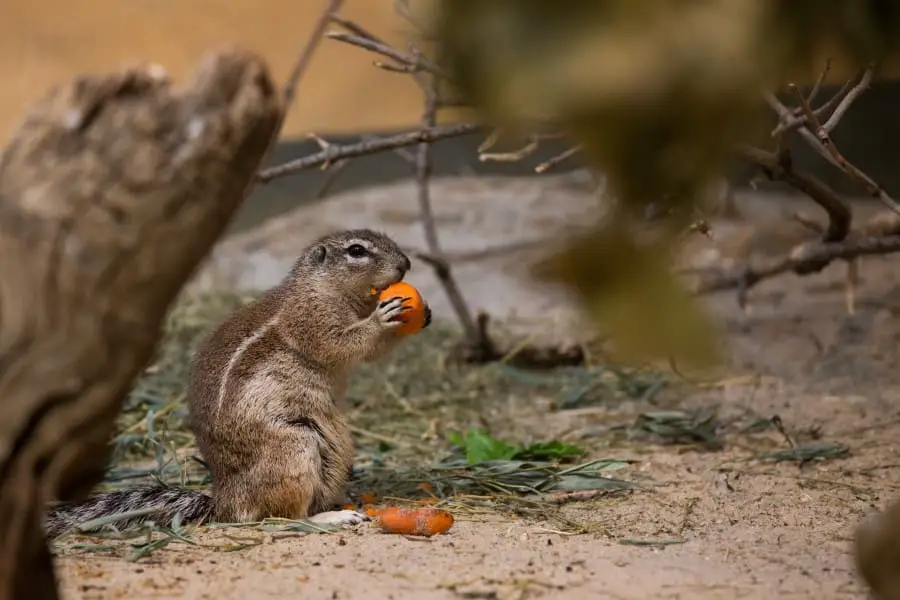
(112, 191)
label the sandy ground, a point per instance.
(748, 529)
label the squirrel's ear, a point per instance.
(318, 254)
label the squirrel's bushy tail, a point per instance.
(194, 506)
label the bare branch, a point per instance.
(810, 119)
(839, 216)
(872, 188)
(531, 146)
(477, 339)
(415, 62)
(790, 120)
(490, 141)
(547, 165)
(309, 49)
(407, 65)
(336, 152)
(333, 173)
(819, 138)
(514, 156)
(803, 259)
(787, 115)
(356, 29)
(839, 112)
(411, 63)
(817, 86)
(828, 106)
(297, 71)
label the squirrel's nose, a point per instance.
(405, 265)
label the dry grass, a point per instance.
(403, 411)
(421, 423)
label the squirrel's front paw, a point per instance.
(388, 311)
(427, 321)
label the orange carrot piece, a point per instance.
(414, 521)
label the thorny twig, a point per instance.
(336, 152)
(549, 164)
(480, 343)
(297, 71)
(818, 85)
(819, 136)
(427, 74)
(800, 261)
(531, 145)
(849, 98)
(796, 117)
(414, 62)
(808, 122)
(479, 347)
(813, 125)
(776, 167)
(290, 88)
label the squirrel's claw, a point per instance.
(427, 316)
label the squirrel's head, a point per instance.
(357, 260)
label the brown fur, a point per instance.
(274, 436)
(267, 389)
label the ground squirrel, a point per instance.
(266, 391)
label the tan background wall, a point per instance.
(45, 41)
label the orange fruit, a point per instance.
(414, 318)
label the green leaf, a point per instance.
(480, 446)
(553, 450)
(457, 439)
(576, 483)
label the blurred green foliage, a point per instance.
(658, 93)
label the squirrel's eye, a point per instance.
(357, 251)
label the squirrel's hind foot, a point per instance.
(339, 517)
